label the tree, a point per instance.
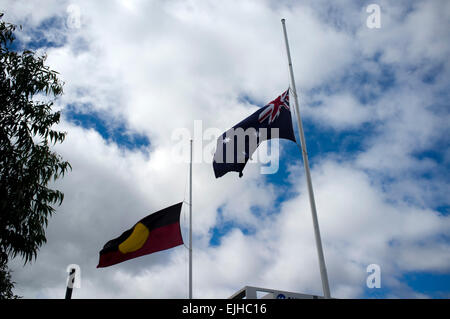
(6, 285)
(28, 89)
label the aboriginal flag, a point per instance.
(156, 232)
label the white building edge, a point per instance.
(249, 292)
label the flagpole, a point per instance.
(190, 224)
(323, 269)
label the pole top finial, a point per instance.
(283, 20)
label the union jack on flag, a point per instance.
(273, 109)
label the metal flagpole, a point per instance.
(190, 225)
(323, 269)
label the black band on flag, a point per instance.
(156, 232)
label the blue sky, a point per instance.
(374, 104)
(112, 130)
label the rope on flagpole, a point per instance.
(295, 111)
(190, 220)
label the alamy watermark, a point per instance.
(74, 278)
(373, 21)
(236, 146)
(374, 279)
(74, 17)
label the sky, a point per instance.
(375, 109)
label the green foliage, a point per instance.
(6, 285)
(27, 164)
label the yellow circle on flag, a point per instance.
(136, 240)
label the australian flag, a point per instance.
(236, 146)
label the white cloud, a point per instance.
(340, 111)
